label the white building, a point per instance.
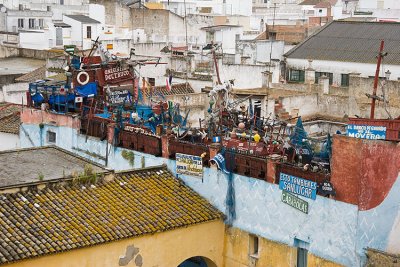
(220, 7)
(378, 4)
(226, 35)
(382, 10)
(342, 48)
(83, 30)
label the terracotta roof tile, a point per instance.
(10, 118)
(61, 218)
(176, 89)
(37, 74)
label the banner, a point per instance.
(219, 160)
(189, 165)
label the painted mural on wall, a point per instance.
(334, 230)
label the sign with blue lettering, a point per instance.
(189, 164)
(298, 186)
(366, 131)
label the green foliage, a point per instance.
(88, 176)
(40, 176)
(129, 156)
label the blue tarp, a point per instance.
(61, 99)
(104, 115)
(37, 98)
(88, 89)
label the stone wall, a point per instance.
(8, 51)
(378, 258)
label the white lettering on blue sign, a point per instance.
(298, 186)
(366, 131)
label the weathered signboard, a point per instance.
(298, 186)
(116, 97)
(69, 49)
(366, 131)
(295, 202)
(326, 189)
(189, 164)
(117, 74)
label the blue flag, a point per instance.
(219, 159)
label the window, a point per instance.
(20, 23)
(257, 108)
(89, 32)
(327, 74)
(253, 245)
(296, 75)
(302, 254)
(51, 137)
(41, 23)
(345, 80)
(31, 23)
(61, 2)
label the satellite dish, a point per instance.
(3, 9)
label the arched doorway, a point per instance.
(197, 261)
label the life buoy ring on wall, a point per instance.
(78, 78)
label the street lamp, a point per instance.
(387, 74)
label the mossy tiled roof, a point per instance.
(10, 118)
(176, 89)
(61, 218)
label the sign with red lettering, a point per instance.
(117, 74)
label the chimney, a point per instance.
(324, 82)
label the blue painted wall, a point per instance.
(334, 230)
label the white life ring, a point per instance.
(78, 78)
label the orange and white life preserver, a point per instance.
(78, 78)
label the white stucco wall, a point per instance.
(35, 40)
(97, 12)
(338, 68)
(9, 141)
(372, 4)
(263, 49)
(227, 36)
(246, 76)
(14, 93)
(76, 30)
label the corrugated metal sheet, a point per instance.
(350, 41)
